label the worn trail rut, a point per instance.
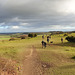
(31, 65)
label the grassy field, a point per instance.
(60, 57)
(4, 37)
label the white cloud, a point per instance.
(15, 27)
(2, 24)
(24, 24)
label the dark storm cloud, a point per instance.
(34, 14)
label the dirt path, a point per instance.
(31, 65)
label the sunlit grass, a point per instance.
(59, 54)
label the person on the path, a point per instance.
(43, 44)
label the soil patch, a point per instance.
(31, 64)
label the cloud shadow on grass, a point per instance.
(68, 66)
(71, 44)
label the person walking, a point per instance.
(61, 39)
(42, 36)
(47, 39)
(43, 44)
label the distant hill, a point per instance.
(53, 32)
(13, 33)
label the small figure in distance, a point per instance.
(61, 39)
(48, 39)
(43, 37)
(43, 44)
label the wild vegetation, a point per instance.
(56, 59)
(32, 35)
(70, 38)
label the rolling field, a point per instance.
(56, 59)
(60, 57)
(4, 37)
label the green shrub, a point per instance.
(35, 35)
(32, 35)
(70, 38)
(65, 34)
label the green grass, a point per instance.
(4, 37)
(60, 56)
(12, 49)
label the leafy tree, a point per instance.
(35, 35)
(32, 35)
(70, 38)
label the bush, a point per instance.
(35, 35)
(32, 35)
(65, 34)
(70, 38)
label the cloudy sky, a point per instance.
(37, 15)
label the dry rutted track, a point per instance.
(31, 65)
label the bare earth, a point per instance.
(31, 64)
